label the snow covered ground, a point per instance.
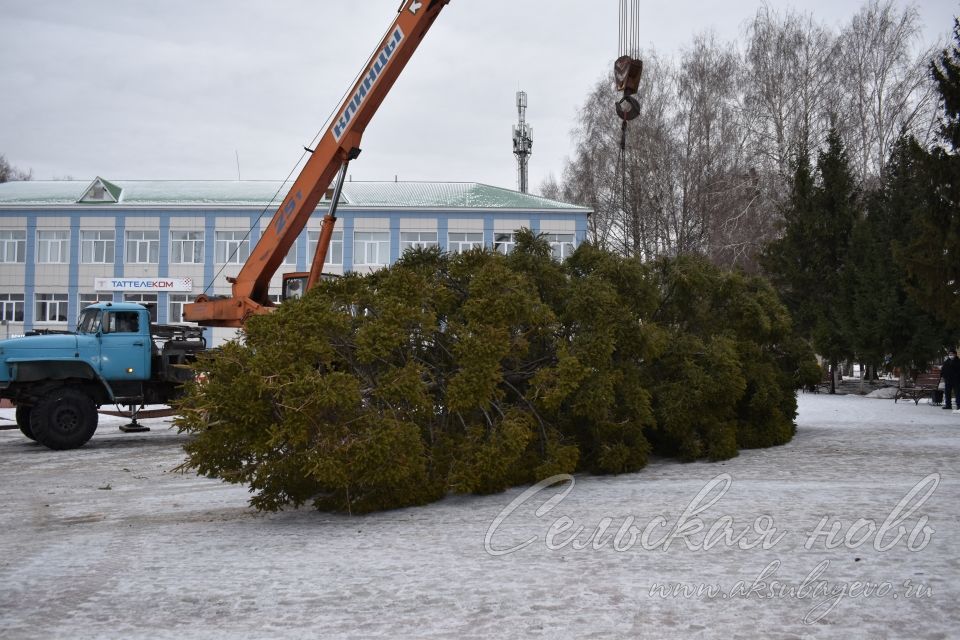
(108, 541)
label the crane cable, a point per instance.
(629, 34)
(304, 154)
(628, 53)
(620, 179)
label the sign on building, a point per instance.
(147, 285)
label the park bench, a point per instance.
(923, 386)
(824, 384)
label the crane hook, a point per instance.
(626, 73)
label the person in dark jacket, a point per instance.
(950, 374)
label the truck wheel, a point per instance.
(23, 421)
(64, 419)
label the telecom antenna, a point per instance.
(522, 142)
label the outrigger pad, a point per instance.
(133, 427)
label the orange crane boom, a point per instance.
(338, 145)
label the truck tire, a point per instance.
(64, 419)
(23, 421)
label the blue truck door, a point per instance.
(125, 345)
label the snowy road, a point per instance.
(109, 542)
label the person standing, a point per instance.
(950, 374)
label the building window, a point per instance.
(177, 300)
(13, 246)
(462, 242)
(417, 240)
(97, 247)
(186, 247)
(561, 244)
(87, 299)
(11, 307)
(143, 247)
(504, 242)
(371, 247)
(334, 251)
(291, 257)
(149, 300)
(51, 307)
(233, 247)
(53, 247)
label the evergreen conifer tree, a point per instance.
(886, 322)
(475, 372)
(808, 263)
(792, 262)
(835, 213)
(932, 258)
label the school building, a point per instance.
(67, 244)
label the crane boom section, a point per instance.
(340, 142)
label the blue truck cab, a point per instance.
(116, 340)
(58, 380)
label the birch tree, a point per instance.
(10, 173)
(885, 92)
(789, 78)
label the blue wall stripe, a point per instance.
(443, 225)
(347, 244)
(209, 269)
(119, 247)
(394, 239)
(30, 272)
(163, 269)
(302, 251)
(73, 278)
(254, 230)
(488, 230)
(209, 250)
(581, 230)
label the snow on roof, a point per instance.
(438, 195)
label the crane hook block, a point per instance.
(628, 108)
(626, 73)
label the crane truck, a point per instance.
(337, 147)
(58, 382)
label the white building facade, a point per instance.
(67, 244)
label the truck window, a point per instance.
(122, 322)
(89, 321)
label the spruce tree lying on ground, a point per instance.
(475, 372)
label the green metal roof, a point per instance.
(395, 195)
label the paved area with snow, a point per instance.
(850, 531)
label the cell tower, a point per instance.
(522, 141)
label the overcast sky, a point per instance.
(141, 89)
